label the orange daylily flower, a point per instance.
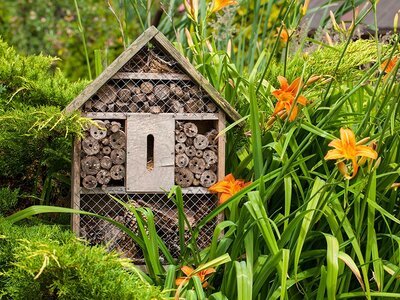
(286, 96)
(388, 65)
(220, 4)
(228, 187)
(284, 35)
(189, 272)
(346, 148)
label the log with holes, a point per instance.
(103, 155)
(196, 155)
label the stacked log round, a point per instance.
(196, 155)
(103, 155)
(150, 96)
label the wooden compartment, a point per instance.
(196, 153)
(103, 155)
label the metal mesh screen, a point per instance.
(151, 60)
(97, 231)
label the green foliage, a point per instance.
(51, 27)
(35, 136)
(33, 80)
(300, 230)
(359, 53)
(48, 262)
(8, 200)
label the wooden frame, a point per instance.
(75, 186)
(155, 36)
(151, 76)
(213, 121)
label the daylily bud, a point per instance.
(313, 79)
(343, 169)
(305, 7)
(333, 20)
(209, 46)
(192, 8)
(189, 38)
(395, 185)
(377, 163)
(363, 141)
(329, 39)
(229, 48)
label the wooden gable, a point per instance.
(154, 58)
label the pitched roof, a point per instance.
(385, 12)
(154, 36)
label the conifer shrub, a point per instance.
(8, 200)
(50, 263)
(35, 134)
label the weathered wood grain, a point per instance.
(75, 184)
(113, 68)
(161, 176)
(151, 76)
(161, 41)
(221, 147)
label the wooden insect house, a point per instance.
(158, 121)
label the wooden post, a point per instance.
(221, 147)
(221, 157)
(75, 184)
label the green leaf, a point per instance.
(332, 269)
(313, 201)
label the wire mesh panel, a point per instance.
(151, 59)
(97, 231)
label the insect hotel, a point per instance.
(157, 126)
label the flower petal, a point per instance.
(333, 154)
(293, 114)
(302, 100)
(206, 272)
(337, 144)
(229, 177)
(294, 86)
(355, 168)
(220, 187)
(220, 4)
(181, 280)
(387, 66)
(278, 107)
(224, 197)
(348, 138)
(187, 270)
(366, 151)
(283, 83)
